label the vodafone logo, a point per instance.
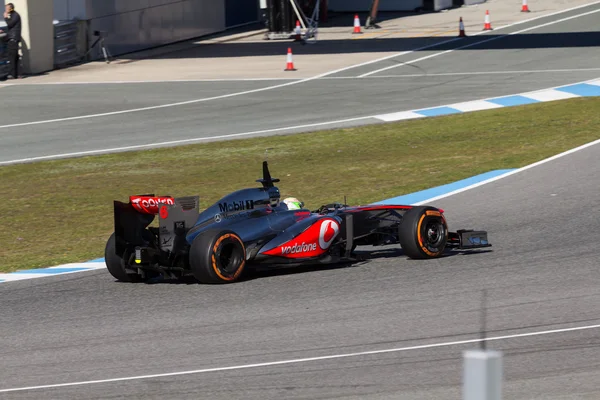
(312, 242)
(329, 230)
(299, 248)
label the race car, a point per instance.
(253, 227)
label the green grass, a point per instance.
(61, 211)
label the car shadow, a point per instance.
(257, 272)
(362, 258)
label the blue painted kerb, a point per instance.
(581, 89)
(423, 195)
(50, 270)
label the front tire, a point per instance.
(217, 257)
(423, 233)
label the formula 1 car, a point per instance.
(251, 227)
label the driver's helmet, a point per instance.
(293, 203)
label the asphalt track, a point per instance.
(541, 275)
(568, 48)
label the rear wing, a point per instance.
(174, 220)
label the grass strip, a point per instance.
(61, 211)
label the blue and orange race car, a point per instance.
(251, 227)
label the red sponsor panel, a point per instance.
(377, 207)
(313, 242)
(149, 204)
(300, 215)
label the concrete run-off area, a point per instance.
(247, 55)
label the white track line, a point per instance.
(150, 81)
(554, 157)
(181, 103)
(304, 360)
(507, 72)
(178, 142)
(478, 43)
(292, 82)
(298, 79)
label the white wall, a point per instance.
(133, 25)
(132, 29)
(37, 44)
(365, 5)
(442, 4)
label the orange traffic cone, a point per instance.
(298, 32)
(525, 8)
(461, 28)
(487, 26)
(290, 62)
(356, 25)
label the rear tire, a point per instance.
(217, 257)
(423, 233)
(116, 265)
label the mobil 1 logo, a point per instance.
(236, 206)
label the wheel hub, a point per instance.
(433, 234)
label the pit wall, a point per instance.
(137, 25)
(59, 32)
(63, 30)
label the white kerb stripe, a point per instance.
(399, 116)
(476, 105)
(550, 95)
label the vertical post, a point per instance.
(274, 25)
(483, 320)
(286, 16)
(323, 10)
(37, 32)
(264, 13)
(482, 374)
